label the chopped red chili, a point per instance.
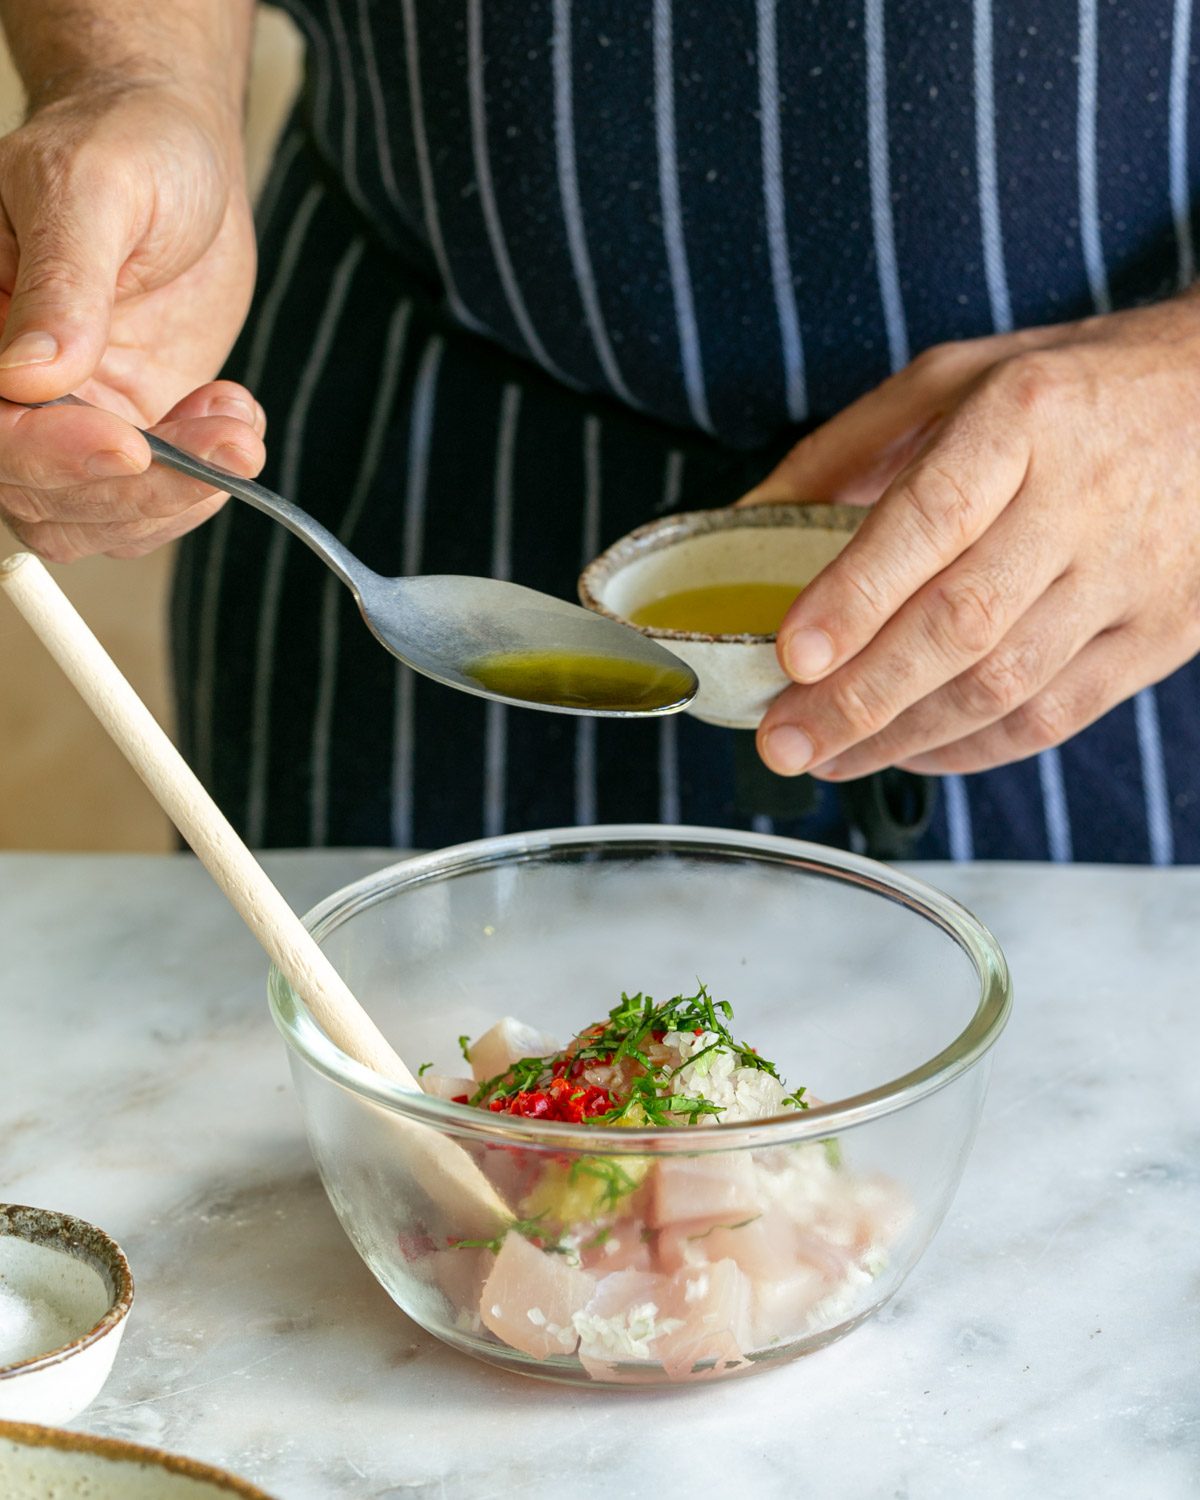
(560, 1100)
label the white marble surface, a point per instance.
(1047, 1345)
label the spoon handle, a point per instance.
(439, 1163)
(322, 541)
(175, 786)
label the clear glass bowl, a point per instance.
(652, 1256)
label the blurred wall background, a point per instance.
(63, 785)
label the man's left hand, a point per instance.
(1032, 556)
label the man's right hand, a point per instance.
(126, 268)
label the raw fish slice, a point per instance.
(881, 1214)
(441, 1086)
(505, 1043)
(762, 1245)
(531, 1297)
(512, 1171)
(459, 1275)
(623, 1247)
(712, 1304)
(781, 1306)
(710, 1189)
(830, 1261)
(624, 1318)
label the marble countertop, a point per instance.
(1048, 1343)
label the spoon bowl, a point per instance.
(481, 635)
(504, 641)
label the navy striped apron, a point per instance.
(535, 271)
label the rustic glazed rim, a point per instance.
(83, 1241)
(314, 1048)
(30, 1435)
(672, 531)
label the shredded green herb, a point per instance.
(622, 1043)
(423, 1069)
(616, 1181)
(530, 1228)
(741, 1224)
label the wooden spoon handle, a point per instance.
(197, 816)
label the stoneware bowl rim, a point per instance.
(67, 1235)
(34, 1435)
(683, 526)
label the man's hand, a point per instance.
(1031, 560)
(126, 267)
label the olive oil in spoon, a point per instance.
(481, 635)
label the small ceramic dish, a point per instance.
(36, 1462)
(65, 1291)
(739, 674)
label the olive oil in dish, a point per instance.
(567, 679)
(720, 609)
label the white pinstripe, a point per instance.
(289, 257)
(1154, 778)
(568, 188)
(1050, 769)
(327, 668)
(672, 485)
(290, 465)
(321, 71)
(1054, 801)
(429, 206)
(668, 771)
(669, 804)
(210, 594)
(495, 758)
(954, 789)
(958, 819)
(383, 143)
(1181, 197)
(585, 731)
(1089, 201)
(1150, 751)
(672, 215)
(487, 195)
(349, 151)
(773, 200)
(985, 156)
(881, 187)
(424, 409)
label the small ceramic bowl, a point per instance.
(37, 1462)
(739, 674)
(65, 1291)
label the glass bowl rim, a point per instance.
(310, 1044)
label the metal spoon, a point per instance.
(484, 636)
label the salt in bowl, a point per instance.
(65, 1292)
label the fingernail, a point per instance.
(807, 653)
(30, 349)
(787, 750)
(111, 463)
(233, 406)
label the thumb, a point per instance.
(60, 307)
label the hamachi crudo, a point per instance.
(683, 1264)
